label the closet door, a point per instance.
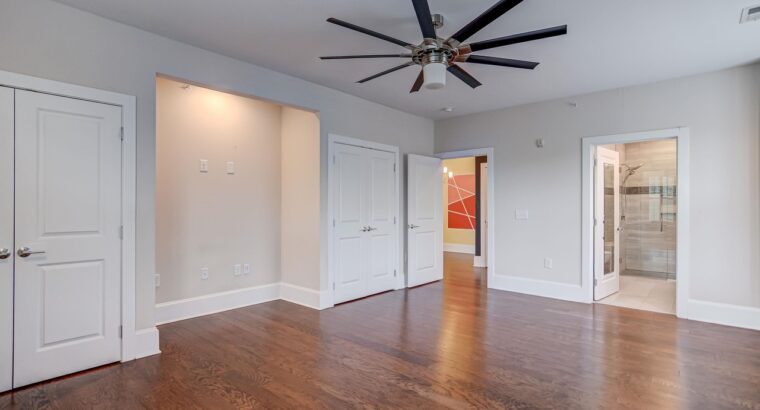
(381, 245)
(349, 208)
(67, 223)
(6, 238)
(365, 243)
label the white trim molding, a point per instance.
(537, 287)
(146, 342)
(459, 248)
(305, 297)
(128, 106)
(214, 303)
(724, 314)
(189, 308)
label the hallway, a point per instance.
(451, 344)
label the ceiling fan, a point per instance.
(437, 55)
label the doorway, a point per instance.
(638, 196)
(66, 229)
(465, 187)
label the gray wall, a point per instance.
(722, 110)
(50, 40)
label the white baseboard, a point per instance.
(459, 248)
(214, 303)
(303, 296)
(536, 287)
(146, 342)
(724, 314)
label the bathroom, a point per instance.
(647, 195)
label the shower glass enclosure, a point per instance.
(649, 208)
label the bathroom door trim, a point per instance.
(589, 144)
(131, 346)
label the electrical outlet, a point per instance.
(204, 273)
(548, 263)
(236, 269)
(230, 167)
(204, 165)
(246, 269)
(157, 278)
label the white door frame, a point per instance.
(128, 179)
(682, 222)
(333, 139)
(491, 198)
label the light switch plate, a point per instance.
(204, 273)
(548, 263)
(203, 165)
(521, 214)
(230, 167)
(237, 270)
(246, 269)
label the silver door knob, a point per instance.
(365, 229)
(370, 229)
(25, 251)
(4, 253)
(413, 226)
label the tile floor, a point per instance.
(638, 292)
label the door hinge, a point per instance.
(121, 331)
(334, 160)
(394, 220)
(596, 281)
(121, 134)
(333, 222)
(394, 167)
(121, 232)
(394, 273)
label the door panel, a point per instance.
(6, 238)
(365, 241)
(68, 208)
(350, 206)
(425, 214)
(607, 230)
(381, 221)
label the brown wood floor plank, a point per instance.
(452, 344)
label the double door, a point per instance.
(60, 246)
(365, 238)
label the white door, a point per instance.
(364, 241)
(381, 222)
(6, 238)
(607, 223)
(425, 214)
(68, 218)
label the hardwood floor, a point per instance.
(446, 345)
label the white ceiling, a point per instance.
(610, 44)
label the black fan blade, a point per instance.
(366, 56)
(418, 83)
(503, 62)
(496, 11)
(386, 72)
(464, 76)
(368, 32)
(425, 19)
(518, 38)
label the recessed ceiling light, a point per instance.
(447, 109)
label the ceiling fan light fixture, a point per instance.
(435, 76)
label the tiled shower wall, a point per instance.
(648, 233)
